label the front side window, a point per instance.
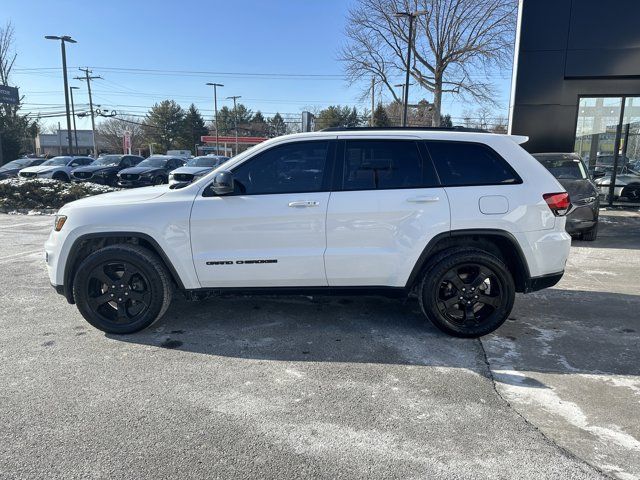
(383, 165)
(466, 164)
(292, 168)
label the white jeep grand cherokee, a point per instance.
(463, 220)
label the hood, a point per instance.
(140, 170)
(578, 188)
(193, 170)
(9, 171)
(41, 168)
(120, 197)
(95, 168)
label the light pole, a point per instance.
(411, 16)
(235, 118)
(73, 114)
(63, 39)
(215, 109)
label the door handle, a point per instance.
(304, 204)
(423, 199)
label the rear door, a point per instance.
(386, 206)
(271, 231)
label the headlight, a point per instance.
(58, 222)
(171, 175)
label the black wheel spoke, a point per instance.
(488, 300)
(142, 297)
(100, 275)
(127, 273)
(450, 303)
(100, 300)
(122, 311)
(454, 279)
(483, 274)
(469, 314)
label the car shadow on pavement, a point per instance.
(556, 330)
(618, 229)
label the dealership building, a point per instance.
(576, 81)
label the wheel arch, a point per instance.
(497, 242)
(88, 243)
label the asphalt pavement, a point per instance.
(341, 387)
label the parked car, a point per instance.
(151, 171)
(462, 220)
(11, 169)
(186, 154)
(195, 168)
(571, 172)
(58, 168)
(627, 187)
(105, 169)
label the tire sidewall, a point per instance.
(431, 284)
(80, 289)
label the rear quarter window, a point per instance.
(466, 164)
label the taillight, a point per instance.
(559, 203)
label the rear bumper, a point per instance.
(544, 281)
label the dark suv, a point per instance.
(571, 172)
(11, 169)
(152, 171)
(105, 169)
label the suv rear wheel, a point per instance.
(467, 293)
(122, 288)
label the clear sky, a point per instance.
(279, 55)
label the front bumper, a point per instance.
(141, 182)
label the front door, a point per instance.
(271, 231)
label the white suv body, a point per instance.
(335, 211)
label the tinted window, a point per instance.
(564, 168)
(293, 168)
(383, 164)
(461, 163)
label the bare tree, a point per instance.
(112, 130)
(7, 53)
(455, 45)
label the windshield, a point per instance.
(153, 162)
(564, 168)
(57, 161)
(107, 160)
(22, 162)
(204, 162)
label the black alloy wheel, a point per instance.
(122, 288)
(468, 293)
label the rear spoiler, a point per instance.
(519, 139)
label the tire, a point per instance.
(482, 276)
(119, 306)
(61, 177)
(590, 235)
(160, 180)
(631, 192)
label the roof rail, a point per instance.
(366, 129)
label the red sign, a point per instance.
(242, 140)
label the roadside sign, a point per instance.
(126, 142)
(9, 95)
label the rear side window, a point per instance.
(464, 164)
(384, 165)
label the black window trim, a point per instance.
(341, 159)
(327, 175)
(508, 166)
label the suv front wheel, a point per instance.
(122, 288)
(467, 293)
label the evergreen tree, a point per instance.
(277, 125)
(164, 125)
(259, 126)
(337, 116)
(193, 128)
(380, 117)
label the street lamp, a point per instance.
(73, 114)
(411, 16)
(235, 118)
(63, 39)
(215, 109)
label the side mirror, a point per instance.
(222, 183)
(598, 174)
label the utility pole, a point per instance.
(235, 118)
(64, 39)
(411, 16)
(88, 78)
(215, 109)
(373, 99)
(73, 114)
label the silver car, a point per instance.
(58, 168)
(195, 168)
(627, 187)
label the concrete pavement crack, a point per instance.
(547, 439)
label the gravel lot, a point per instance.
(296, 387)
